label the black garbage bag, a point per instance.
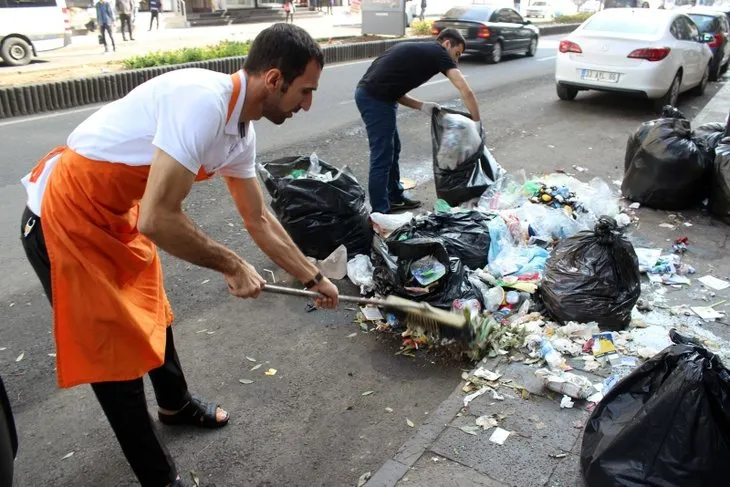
(720, 183)
(708, 137)
(666, 424)
(672, 112)
(664, 168)
(393, 262)
(593, 276)
(319, 215)
(465, 234)
(458, 183)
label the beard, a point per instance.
(273, 110)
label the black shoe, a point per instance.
(404, 204)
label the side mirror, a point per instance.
(706, 38)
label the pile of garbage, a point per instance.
(669, 166)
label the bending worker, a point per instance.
(98, 207)
(386, 83)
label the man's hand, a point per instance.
(245, 282)
(330, 295)
(428, 107)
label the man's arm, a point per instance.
(271, 237)
(163, 221)
(410, 102)
(457, 79)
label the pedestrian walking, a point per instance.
(98, 208)
(383, 87)
(289, 10)
(155, 13)
(330, 3)
(125, 9)
(105, 19)
(422, 16)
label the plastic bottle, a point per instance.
(553, 358)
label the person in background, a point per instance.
(105, 19)
(423, 10)
(289, 10)
(155, 13)
(125, 9)
(329, 6)
(386, 84)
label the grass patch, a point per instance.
(421, 28)
(188, 55)
(572, 19)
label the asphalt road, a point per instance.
(309, 424)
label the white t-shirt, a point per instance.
(182, 112)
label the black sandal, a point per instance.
(195, 413)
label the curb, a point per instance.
(716, 109)
(16, 101)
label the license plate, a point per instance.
(605, 76)
(464, 32)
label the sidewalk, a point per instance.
(544, 444)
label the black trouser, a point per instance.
(126, 19)
(105, 29)
(124, 402)
(155, 16)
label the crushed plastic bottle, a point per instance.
(553, 358)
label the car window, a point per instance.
(622, 24)
(30, 3)
(513, 16)
(694, 33)
(706, 23)
(466, 13)
(679, 30)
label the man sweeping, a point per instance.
(386, 84)
(98, 207)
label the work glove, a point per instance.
(428, 107)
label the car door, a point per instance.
(688, 48)
(505, 30)
(697, 48)
(523, 35)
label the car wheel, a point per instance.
(566, 93)
(672, 95)
(532, 50)
(699, 90)
(496, 55)
(16, 52)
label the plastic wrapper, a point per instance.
(573, 385)
(664, 168)
(665, 424)
(469, 179)
(506, 193)
(593, 276)
(720, 185)
(460, 139)
(320, 209)
(387, 224)
(464, 234)
(550, 223)
(360, 271)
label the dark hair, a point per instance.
(452, 35)
(285, 47)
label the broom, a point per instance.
(417, 315)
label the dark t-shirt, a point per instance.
(404, 67)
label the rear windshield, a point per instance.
(621, 24)
(705, 23)
(465, 13)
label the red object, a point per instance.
(66, 19)
(484, 32)
(717, 42)
(588, 346)
(682, 240)
(435, 29)
(650, 54)
(535, 276)
(568, 46)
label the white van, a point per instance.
(28, 27)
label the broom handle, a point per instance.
(311, 294)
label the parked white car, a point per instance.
(655, 54)
(30, 27)
(538, 8)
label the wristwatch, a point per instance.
(316, 280)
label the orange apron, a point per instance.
(110, 310)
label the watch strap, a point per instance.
(316, 280)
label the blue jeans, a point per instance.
(384, 177)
